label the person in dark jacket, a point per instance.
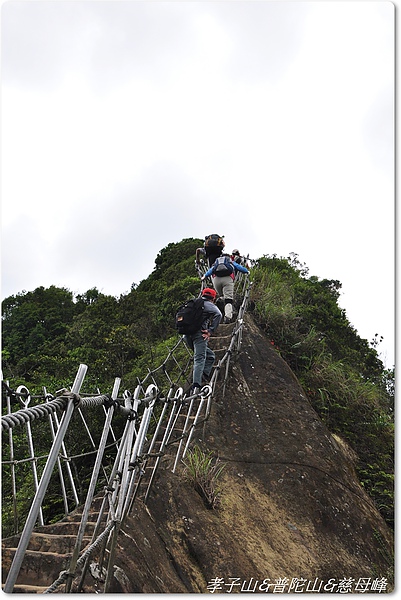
(224, 283)
(204, 357)
(210, 252)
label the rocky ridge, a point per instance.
(292, 517)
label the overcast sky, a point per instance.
(129, 125)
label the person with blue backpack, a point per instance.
(223, 272)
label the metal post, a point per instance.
(206, 393)
(137, 450)
(13, 481)
(23, 389)
(60, 469)
(54, 418)
(124, 474)
(108, 497)
(44, 482)
(166, 437)
(183, 434)
(124, 493)
(92, 485)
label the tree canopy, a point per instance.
(48, 332)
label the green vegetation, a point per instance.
(342, 374)
(48, 332)
(204, 472)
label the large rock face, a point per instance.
(293, 516)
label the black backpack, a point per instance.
(223, 266)
(190, 316)
(213, 243)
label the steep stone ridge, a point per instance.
(292, 506)
(292, 510)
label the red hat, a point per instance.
(209, 292)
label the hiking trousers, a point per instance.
(204, 357)
(224, 286)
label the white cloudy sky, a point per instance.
(127, 125)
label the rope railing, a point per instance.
(33, 412)
(158, 424)
(38, 498)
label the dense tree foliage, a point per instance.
(48, 332)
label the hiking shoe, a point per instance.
(195, 389)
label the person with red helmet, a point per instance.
(204, 357)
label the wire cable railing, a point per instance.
(158, 424)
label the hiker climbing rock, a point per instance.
(212, 248)
(197, 341)
(237, 258)
(223, 272)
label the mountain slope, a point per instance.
(291, 505)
